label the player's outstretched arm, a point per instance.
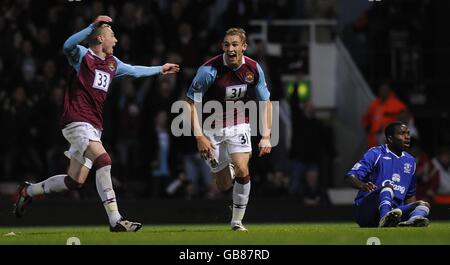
(137, 71)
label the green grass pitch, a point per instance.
(219, 234)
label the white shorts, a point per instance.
(78, 134)
(228, 140)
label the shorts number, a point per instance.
(244, 139)
(101, 80)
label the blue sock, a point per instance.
(420, 210)
(385, 205)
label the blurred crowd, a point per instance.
(148, 161)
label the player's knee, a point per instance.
(102, 160)
(240, 171)
(243, 180)
(71, 184)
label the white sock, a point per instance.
(51, 185)
(241, 193)
(106, 192)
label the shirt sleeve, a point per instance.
(136, 71)
(262, 92)
(202, 81)
(75, 52)
(364, 167)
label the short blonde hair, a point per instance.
(237, 32)
(92, 38)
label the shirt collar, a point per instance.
(92, 52)
(225, 62)
(389, 151)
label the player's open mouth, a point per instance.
(232, 56)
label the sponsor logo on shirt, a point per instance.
(387, 157)
(396, 177)
(399, 188)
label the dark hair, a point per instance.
(390, 128)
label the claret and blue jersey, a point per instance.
(215, 80)
(381, 166)
(85, 97)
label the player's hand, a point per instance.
(170, 68)
(102, 19)
(205, 147)
(368, 187)
(264, 146)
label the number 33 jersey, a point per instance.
(85, 97)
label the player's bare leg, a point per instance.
(102, 163)
(73, 180)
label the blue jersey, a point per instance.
(381, 166)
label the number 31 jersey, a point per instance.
(217, 81)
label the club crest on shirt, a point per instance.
(407, 168)
(111, 66)
(249, 77)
